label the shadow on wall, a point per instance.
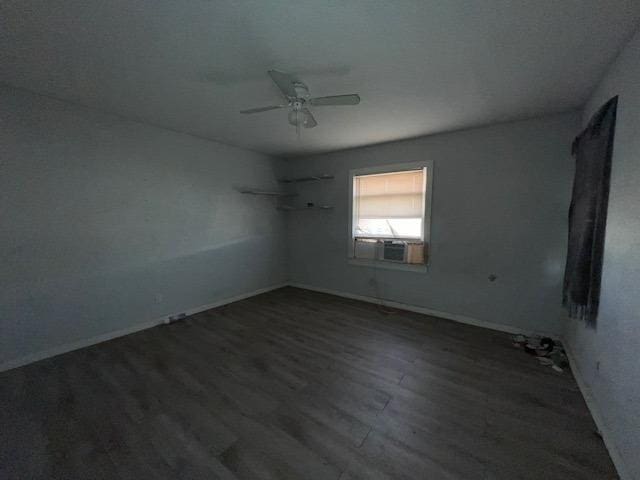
(46, 313)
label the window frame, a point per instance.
(427, 165)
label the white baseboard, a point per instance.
(18, 362)
(589, 399)
(68, 347)
(585, 390)
(428, 311)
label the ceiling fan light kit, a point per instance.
(298, 98)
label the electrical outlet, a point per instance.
(159, 298)
(174, 318)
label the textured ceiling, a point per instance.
(420, 66)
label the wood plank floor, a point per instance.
(295, 384)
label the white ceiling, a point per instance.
(420, 66)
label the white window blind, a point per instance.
(389, 205)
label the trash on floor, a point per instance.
(549, 352)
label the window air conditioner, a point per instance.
(397, 251)
(394, 251)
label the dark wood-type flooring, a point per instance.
(295, 384)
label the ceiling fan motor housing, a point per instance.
(301, 90)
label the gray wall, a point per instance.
(500, 199)
(608, 357)
(107, 222)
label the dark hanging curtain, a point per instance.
(592, 150)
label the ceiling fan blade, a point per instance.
(285, 82)
(262, 109)
(335, 100)
(309, 122)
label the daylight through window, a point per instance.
(389, 205)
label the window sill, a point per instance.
(407, 267)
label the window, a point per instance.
(389, 205)
(390, 211)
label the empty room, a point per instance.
(320, 239)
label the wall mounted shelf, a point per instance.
(289, 208)
(312, 178)
(250, 191)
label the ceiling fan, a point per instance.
(296, 95)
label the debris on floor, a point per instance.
(549, 352)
